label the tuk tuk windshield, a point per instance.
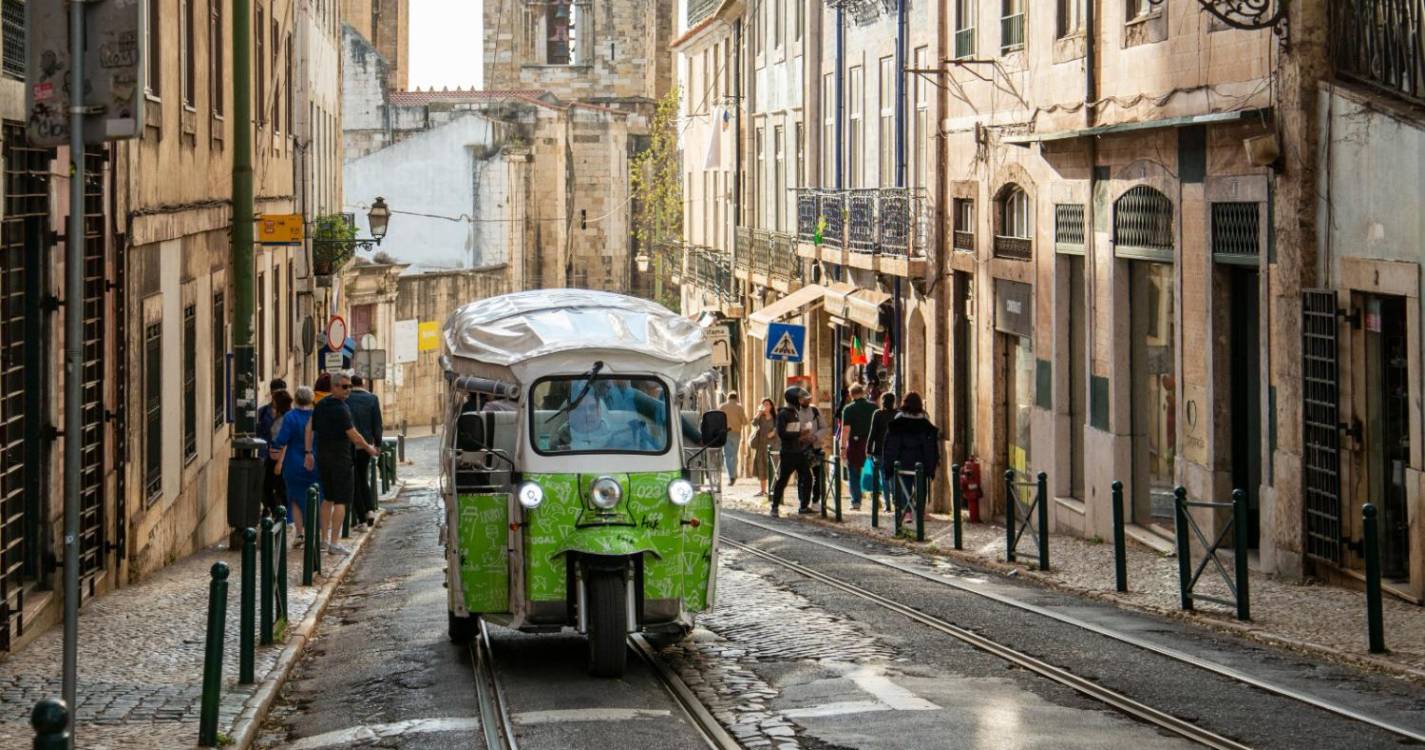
(615, 415)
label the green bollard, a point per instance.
(1239, 544)
(308, 564)
(896, 493)
(50, 720)
(920, 499)
(1180, 517)
(836, 484)
(346, 520)
(819, 483)
(1375, 618)
(1043, 503)
(876, 480)
(213, 656)
(247, 605)
(371, 483)
(265, 609)
(1120, 544)
(957, 501)
(281, 542)
(1011, 515)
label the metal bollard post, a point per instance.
(876, 481)
(1043, 503)
(819, 484)
(401, 447)
(213, 656)
(920, 488)
(957, 501)
(265, 609)
(247, 606)
(1375, 622)
(836, 484)
(1184, 546)
(50, 720)
(371, 482)
(281, 542)
(346, 520)
(311, 538)
(316, 527)
(1239, 544)
(1120, 551)
(1011, 515)
(896, 493)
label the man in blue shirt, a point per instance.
(366, 418)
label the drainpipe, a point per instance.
(840, 93)
(1090, 117)
(733, 293)
(944, 315)
(245, 366)
(898, 336)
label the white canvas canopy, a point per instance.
(628, 333)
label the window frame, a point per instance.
(1070, 18)
(886, 123)
(259, 60)
(190, 382)
(153, 411)
(216, 99)
(153, 67)
(668, 415)
(187, 50)
(855, 124)
(1014, 210)
(220, 360)
(1013, 15)
(966, 18)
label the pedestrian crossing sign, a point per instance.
(786, 342)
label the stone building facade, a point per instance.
(386, 24)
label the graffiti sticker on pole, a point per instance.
(786, 342)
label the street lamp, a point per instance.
(377, 218)
(641, 260)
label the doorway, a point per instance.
(1078, 372)
(1019, 400)
(964, 363)
(1154, 392)
(1387, 427)
(1245, 386)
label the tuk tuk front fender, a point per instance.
(608, 541)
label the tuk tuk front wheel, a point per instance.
(462, 630)
(608, 624)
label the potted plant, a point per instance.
(332, 237)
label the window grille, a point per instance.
(1236, 232)
(190, 382)
(220, 360)
(153, 410)
(1380, 42)
(12, 15)
(861, 220)
(1069, 228)
(1321, 424)
(833, 206)
(1143, 223)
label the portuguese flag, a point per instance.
(858, 351)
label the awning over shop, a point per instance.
(863, 306)
(791, 304)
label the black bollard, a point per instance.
(836, 486)
(371, 482)
(897, 502)
(265, 618)
(876, 482)
(346, 520)
(247, 606)
(1239, 544)
(1375, 619)
(1120, 551)
(281, 543)
(213, 656)
(311, 540)
(1180, 517)
(1043, 502)
(50, 720)
(957, 501)
(920, 501)
(1011, 515)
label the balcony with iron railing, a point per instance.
(892, 222)
(1381, 43)
(768, 256)
(709, 269)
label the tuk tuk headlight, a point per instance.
(605, 493)
(530, 495)
(680, 492)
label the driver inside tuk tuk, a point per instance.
(589, 429)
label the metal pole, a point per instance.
(73, 358)
(876, 481)
(956, 502)
(308, 567)
(247, 606)
(1180, 516)
(1239, 543)
(245, 365)
(265, 621)
(896, 492)
(1011, 515)
(1043, 503)
(213, 656)
(1375, 624)
(836, 484)
(920, 502)
(281, 542)
(1120, 552)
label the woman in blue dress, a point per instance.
(291, 443)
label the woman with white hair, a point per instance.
(291, 444)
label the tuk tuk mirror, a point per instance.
(714, 429)
(470, 431)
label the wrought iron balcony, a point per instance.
(710, 269)
(861, 222)
(1014, 248)
(964, 241)
(886, 221)
(1380, 42)
(785, 264)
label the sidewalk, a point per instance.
(1324, 621)
(141, 657)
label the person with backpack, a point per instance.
(796, 440)
(910, 439)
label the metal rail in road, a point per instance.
(702, 719)
(1128, 638)
(1112, 698)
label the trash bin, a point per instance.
(245, 475)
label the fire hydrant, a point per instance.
(970, 487)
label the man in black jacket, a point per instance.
(796, 442)
(910, 440)
(875, 442)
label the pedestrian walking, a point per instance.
(290, 444)
(876, 440)
(818, 438)
(736, 425)
(329, 437)
(910, 439)
(795, 441)
(274, 493)
(267, 418)
(856, 419)
(366, 417)
(764, 431)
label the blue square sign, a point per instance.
(786, 342)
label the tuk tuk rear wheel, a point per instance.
(462, 630)
(608, 624)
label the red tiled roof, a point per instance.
(419, 98)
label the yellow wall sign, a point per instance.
(280, 229)
(429, 336)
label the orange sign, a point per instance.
(280, 229)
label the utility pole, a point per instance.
(245, 355)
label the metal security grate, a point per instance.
(12, 61)
(1236, 232)
(1143, 219)
(861, 218)
(153, 410)
(1320, 417)
(1069, 227)
(1381, 43)
(91, 470)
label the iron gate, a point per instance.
(1321, 424)
(91, 472)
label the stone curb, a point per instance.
(1030, 575)
(244, 731)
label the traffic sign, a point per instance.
(333, 362)
(371, 363)
(280, 229)
(786, 342)
(336, 333)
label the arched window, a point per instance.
(1143, 221)
(1014, 230)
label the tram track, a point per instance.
(1168, 652)
(701, 718)
(495, 721)
(1086, 687)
